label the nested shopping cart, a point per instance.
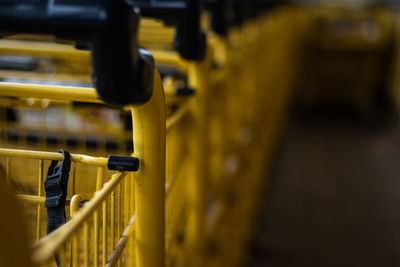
(105, 202)
(101, 204)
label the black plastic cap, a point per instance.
(123, 163)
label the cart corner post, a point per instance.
(149, 124)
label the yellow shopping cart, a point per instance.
(104, 202)
(178, 199)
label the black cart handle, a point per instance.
(122, 73)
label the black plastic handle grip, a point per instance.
(190, 40)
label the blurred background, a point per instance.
(334, 192)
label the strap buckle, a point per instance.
(56, 186)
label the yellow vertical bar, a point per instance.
(74, 255)
(8, 169)
(86, 244)
(118, 196)
(149, 146)
(96, 226)
(128, 184)
(198, 73)
(132, 206)
(119, 219)
(74, 179)
(112, 215)
(62, 255)
(96, 238)
(39, 206)
(100, 178)
(126, 212)
(70, 253)
(126, 201)
(174, 150)
(104, 232)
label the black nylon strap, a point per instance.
(56, 186)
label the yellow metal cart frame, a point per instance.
(188, 197)
(146, 224)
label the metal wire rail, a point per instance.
(107, 212)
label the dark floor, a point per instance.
(334, 198)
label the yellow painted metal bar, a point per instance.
(156, 33)
(126, 202)
(128, 214)
(149, 142)
(119, 219)
(31, 199)
(31, 154)
(148, 22)
(76, 200)
(96, 238)
(74, 178)
(62, 253)
(42, 48)
(96, 219)
(132, 213)
(75, 256)
(112, 214)
(86, 244)
(123, 241)
(61, 78)
(44, 95)
(58, 94)
(68, 93)
(48, 245)
(105, 239)
(36, 199)
(198, 74)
